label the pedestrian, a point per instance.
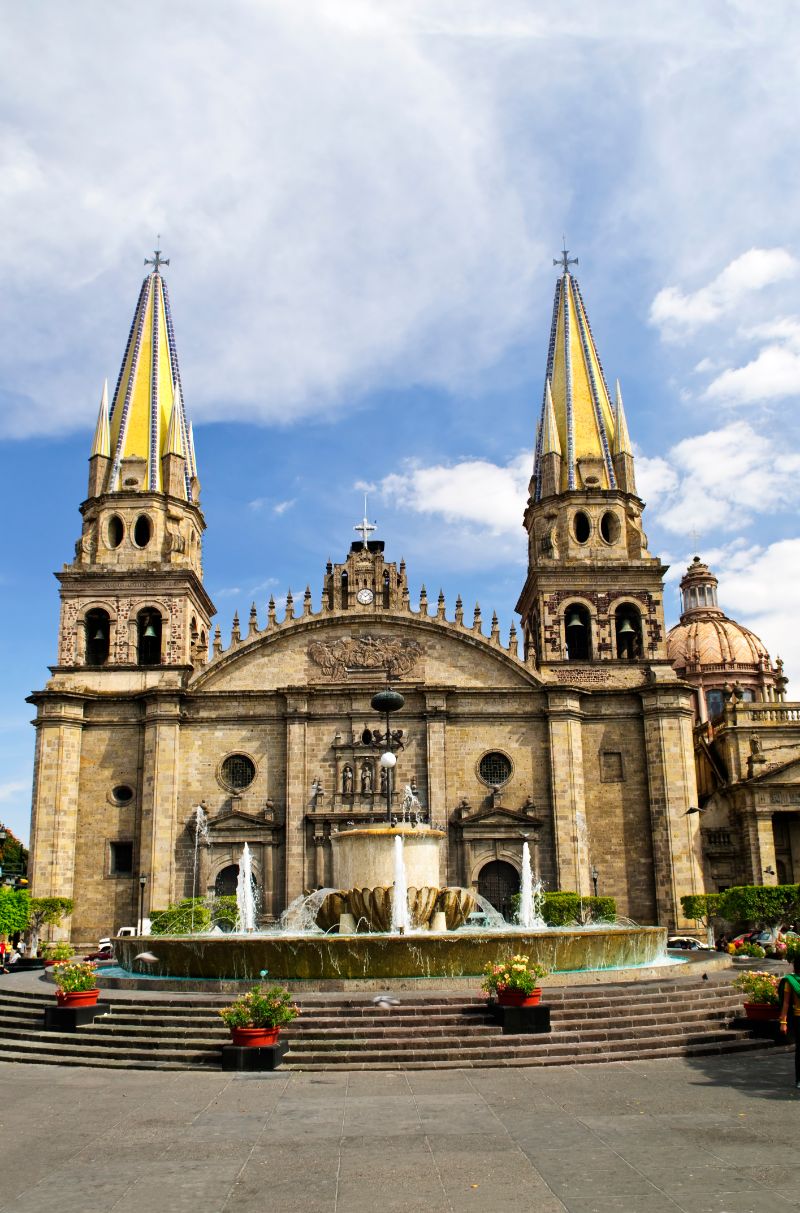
(4, 953)
(789, 1021)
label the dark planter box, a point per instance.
(521, 1021)
(26, 964)
(67, 1019)
(245, 1057)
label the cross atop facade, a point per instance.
(565, 261)
(157, 260)
(365, 527)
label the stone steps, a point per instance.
(593, 1023)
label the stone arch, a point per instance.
(149, 604)
(619, 609)
(94, 604)
(585, 645)
(498, 881)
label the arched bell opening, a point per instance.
(98, 636)
(628, 633)
(148, 630)
(578, 632)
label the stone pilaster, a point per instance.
(296, 879)
(160, 786)
(677, 853)
(567, 791)
(435, 735)
(54, 819)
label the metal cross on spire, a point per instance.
(565, 261)
(157, 260)
(365, 527)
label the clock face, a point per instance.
(365, 597)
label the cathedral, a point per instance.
(585, 733)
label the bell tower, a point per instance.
(593, 593)
(133, 595)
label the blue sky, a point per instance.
(361, 204)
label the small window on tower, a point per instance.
(142, 531)
(582, 527)
(115, 531)
(609, 527)
(98, 637)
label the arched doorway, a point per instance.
(498, 882)
(225, 883)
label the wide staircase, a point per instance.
(624, 1022)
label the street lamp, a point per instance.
(595, 877)
(142, 883)
(386, 702)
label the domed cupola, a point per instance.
(714, 653)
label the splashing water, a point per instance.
(300, 916)
(401, 919)
(411, 808)
(199, 823)
(531, 895)
(245, 893)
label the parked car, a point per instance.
(105, 952)
(764, 939)
(687, 943)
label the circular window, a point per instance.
(609, 527)
(238, 772)
(122, 794)
(115, 531)
(581, 526)
(494, 768)
(142, 531)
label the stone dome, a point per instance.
(706, 638)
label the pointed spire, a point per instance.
(307, 601)
(217, 646)
(622, 440)
(459, 612)
(102, 433)
(271, 615)
(148, 392)
(253, 625)
(495, 632)
(423, 601)
(476, 618)
(235, 633)
(577, 419)
(549, 441)
(512, 640)
(289, 612)
(440, 605)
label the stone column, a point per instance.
(567, 791)
(159, 820)
(759, 837)
(296, 794)
(669, 754)
(54, 821)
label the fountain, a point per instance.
(388, 881)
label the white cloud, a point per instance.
(475, 492)
(282, 506)
(773, 374)
(675, 311)
(719, 480)
(763, 592)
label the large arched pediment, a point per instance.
(338, 650)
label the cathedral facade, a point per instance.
(575, 733)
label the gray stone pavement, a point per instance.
(714, 1135)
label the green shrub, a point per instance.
(191, 916)
(15, 908)
(747, 949)
(224, 911)
(701, 907)
(762, 905)
(58, 951)
(261, 1007)
(561, 909)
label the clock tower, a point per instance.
(365, 582)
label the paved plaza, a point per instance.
(715, 1135)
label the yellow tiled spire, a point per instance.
(148, 389)
(576, 393)
(174, 443)
(102, 434)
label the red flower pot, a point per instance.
(254, 1037)
(518, 998)
(761, 1010)
(77, 998)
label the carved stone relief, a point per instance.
(337, 658)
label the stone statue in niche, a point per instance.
(347, 780)
(366, 778)
(384, 778)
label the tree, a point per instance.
(702, 907)
(191, 916)
(13, 854)
(45, 911)
(766, 905)
(14, 910)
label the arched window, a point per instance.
(578, 632)
(148, 629)
(715, 703)
(225, 883)
(498, 881)
(345, 598)
(386, 588)
(98, 637)
(628, 630)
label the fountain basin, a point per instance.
(364, 858)
(357, 957)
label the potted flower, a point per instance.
(760, 994)
(52, 953)
(76, 984)
(514, 982)
(256, 1018)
